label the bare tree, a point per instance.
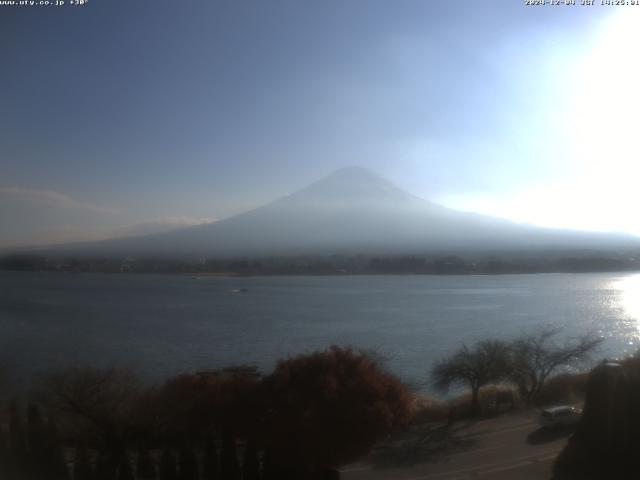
(95, 402)
(485, 362)
(535, 357)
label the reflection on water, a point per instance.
(630, 295)
(627, 300)
(165, 324)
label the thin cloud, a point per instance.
(160, 225)
(58, 234)
(51, 198)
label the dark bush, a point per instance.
(36, 436)
(251, 462)
(5, 455)
(125, 470)
(229, 469)
(210, 459)
(56, 463)
(191, 404)
(106, 467)
(82, 468)
(188, 465)
(564, 388)
(145, 466)
(17, 435)
(167, 469)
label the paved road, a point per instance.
(509, 447)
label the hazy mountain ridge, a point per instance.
(350, 211)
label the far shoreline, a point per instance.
(464, 263)
(198, 275)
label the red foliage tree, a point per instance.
(330, 407)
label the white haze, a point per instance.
(351, 211)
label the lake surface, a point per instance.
(164, 324)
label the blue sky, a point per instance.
(124, 116)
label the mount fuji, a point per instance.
(351, 211)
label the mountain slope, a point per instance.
(351, 211)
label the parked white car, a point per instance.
(561, 416)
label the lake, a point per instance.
(165, 324)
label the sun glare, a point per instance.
(629, 288)
(607, 99)
(592, 121)
(602, 118)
